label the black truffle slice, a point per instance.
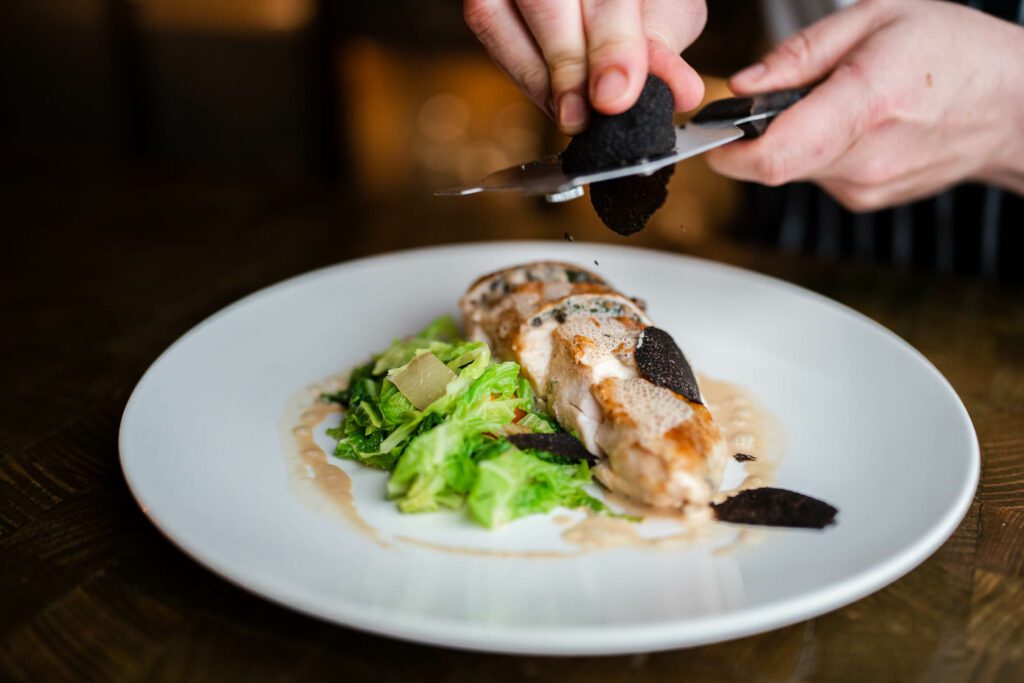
(561, 444)
(662, 362)
(775, 507)
(626, 204)
(644, 130)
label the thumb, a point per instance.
(810, 54)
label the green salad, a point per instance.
(435, 410)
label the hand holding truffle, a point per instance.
(916, 96)
(566, 53)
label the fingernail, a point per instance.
(610, 85)
(752, 74)
(572, 112)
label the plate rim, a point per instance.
(575, 640)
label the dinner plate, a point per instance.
(870, 426)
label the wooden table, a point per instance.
(100, 274)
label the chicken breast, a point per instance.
(495, 306)
(575, 339)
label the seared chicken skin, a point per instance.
(575, 339)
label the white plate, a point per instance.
(872, 427)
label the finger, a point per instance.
(806, 139)
(557, 25)
(498, 25)
(616, 53)
(810, 54)
(671, 26)
(686, 84)
(674, 23)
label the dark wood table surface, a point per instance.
(100, 274)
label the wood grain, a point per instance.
(99, 275)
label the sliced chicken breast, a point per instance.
(659, 448)
(576, 343)
(496, 305)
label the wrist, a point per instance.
(1005, 165)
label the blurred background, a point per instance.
(185, 120)
(160, 159)
(365, 106)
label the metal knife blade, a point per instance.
(718, 123)
(546, 177)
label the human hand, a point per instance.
(562, 53)
(917, 95)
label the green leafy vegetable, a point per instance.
(379, 421)
(438, 337)
(453, 450)
(437, 468)
(515, 483)
(538, 424)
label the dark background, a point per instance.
(366, 101)
(162, 158)
(274, 88)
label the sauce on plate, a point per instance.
(746, 426)
(311, 476)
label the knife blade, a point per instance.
(718, 123)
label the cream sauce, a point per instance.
(312, 477)
(488, 552)
(596, 532)
(745, 424)
(747, 427)
(745, 537)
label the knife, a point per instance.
(718, 123)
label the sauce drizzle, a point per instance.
(745, 425)
(311, 476)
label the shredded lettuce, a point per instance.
(438, 468)
(452, 454)
(379, 421)
(437, 337)
(516, 483)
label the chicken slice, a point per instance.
(533, 343)
(659, 448)
(496, 304)
(587, 348)
(576, 343)
(499, 304)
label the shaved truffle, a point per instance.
(775, 507)
(561, 444)
(644, 130)
(626, 204)
(661, 362)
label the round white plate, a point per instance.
(871, 427)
